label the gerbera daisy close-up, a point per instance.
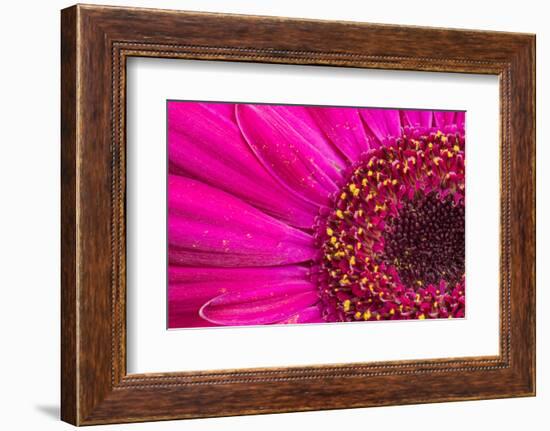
(307, 214)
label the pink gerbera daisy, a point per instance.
(292, 214)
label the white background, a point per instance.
(152, 349)
(29, 228)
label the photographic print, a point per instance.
(286, 214)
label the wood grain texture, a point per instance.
(96, 41)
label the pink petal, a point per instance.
(307, 315)
(344, 128)
(444, 118)
(417, 117)
(190, 288)
(259, 307)
(209, 227)
(460, 119)
(383, 123)
(205, 143)
(286, 142)
(260, 275)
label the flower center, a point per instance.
(425, 242)
(392, 245)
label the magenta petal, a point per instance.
(444, 118)
(460, 119)
(307, 315)
(344, 128)
(287, 143)
(383, 123)
(185, 318)
(258, 275)
(416, 117)
(205, 143)
(259, 307)
(212, 228)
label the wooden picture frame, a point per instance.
(96, 41)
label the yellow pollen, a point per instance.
(456, 148)
(375, 268)
(360, 213)
(367, 315)
(443, 139)
(437, 160)
(421, 316)
(394, 182)
(339, 214)
(343, 195)
(430, 145)
(417, 299)
(364, 182)
(439, 133)
(378, 317)
(333, 239)
(449, 154)
(347, 304)
(352, 260)
(358, 246)
(370, 173)
(392, 312)
(370, 163)
(329, 231)
(360, 230)
(419, 282)
(358, 315)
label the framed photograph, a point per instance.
(265, 215)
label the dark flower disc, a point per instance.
(393, 244)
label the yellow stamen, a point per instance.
(330, 232)
(347, 304)
(421, 317)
